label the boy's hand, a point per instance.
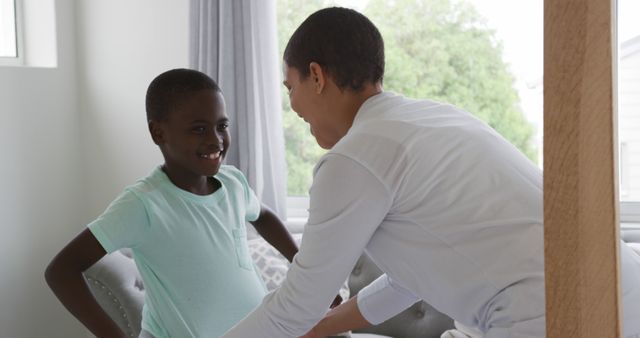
(64, 276)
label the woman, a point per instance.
(445, 206)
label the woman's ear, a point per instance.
(156, 132)
(317, 76)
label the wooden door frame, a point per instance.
(580, 190)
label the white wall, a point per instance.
(72, 137)
(40, 189)
(39, 32)
(123, 45)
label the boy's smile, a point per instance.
(194, 139)
(213, 158)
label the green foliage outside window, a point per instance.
(435, 49)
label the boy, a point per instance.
(185, 224)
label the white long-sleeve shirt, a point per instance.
(447, 208)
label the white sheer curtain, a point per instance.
(235, 42)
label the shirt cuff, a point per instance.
(383, 299)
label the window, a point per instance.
(28, 36)
(481, 55)
(10, 53)
(629, 110)
(624, 170)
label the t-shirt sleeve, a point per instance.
(122, 224)
(252, 204)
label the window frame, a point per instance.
(19, 59)
(630, 214)
(297, 213)
(629, 210)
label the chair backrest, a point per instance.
(115, 282)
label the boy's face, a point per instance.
(194, 138)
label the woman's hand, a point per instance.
(313, 334)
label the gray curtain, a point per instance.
(235, 42)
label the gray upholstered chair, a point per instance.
(116, 284)
(421, 320)
(631, 236)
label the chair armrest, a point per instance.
(116, 284)
(419, 320)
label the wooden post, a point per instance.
(580, 194)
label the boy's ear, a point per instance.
(317, 76)
(156, 132)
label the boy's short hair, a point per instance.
(169, 89)
(344, 42)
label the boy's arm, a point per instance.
(271, 228)
(64, 277)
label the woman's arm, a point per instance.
(342, 318)
(374, 304)
(347, 205)
(64, 277)
(271, 228)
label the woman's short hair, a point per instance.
(345, 43)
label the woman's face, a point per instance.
(309, 105)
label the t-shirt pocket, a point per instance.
(242, 250)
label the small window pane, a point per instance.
(8, 43)
(629, 99)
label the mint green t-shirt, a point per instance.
(191, 252)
